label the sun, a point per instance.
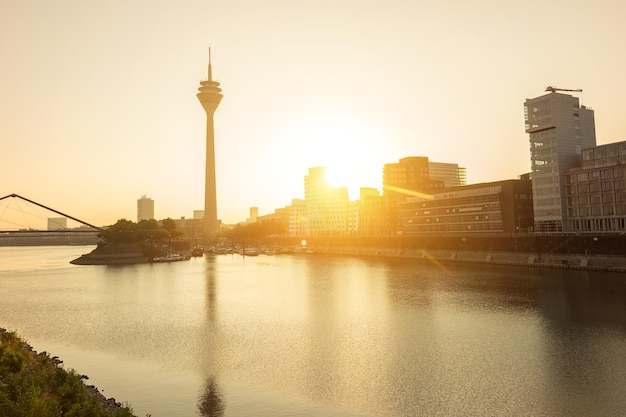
(347, 147)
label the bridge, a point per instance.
(27, 229)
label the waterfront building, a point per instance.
(374, 219)
(254, 214)
(353, 218)
(298, 222)
(496, 207)
(326, 206)
(559, 129)
(596, 192)
(145, 209)
(57, 223)
(451, 174)
(209, 94)
(408, 177)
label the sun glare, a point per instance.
(345, 146)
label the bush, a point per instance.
(34, 384)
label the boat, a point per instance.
(197, 251)
(170, 257)
(219, 250)
(250, 252)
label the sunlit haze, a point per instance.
(98, 104)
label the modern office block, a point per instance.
(596, 192)
(145, 209)
(559, 129)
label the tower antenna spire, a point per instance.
(210, 69)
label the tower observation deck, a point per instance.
(210, 95)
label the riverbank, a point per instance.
(565, 251)
(36, 384)
(604, 263)
(129, 253)
(593, 253)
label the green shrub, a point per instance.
(34, 384)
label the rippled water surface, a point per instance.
(314, 335)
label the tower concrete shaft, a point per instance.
(210, 96)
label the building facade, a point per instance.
(373, 212)
(559, 128)
(450, 174)
(57, 223)
(145, 209)
(326, 206)
(407, 178)
(502, 207)
(596, 192)
(298, 222)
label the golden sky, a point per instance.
(98, 105)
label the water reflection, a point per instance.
(584, 298)
(320, 335)
(211, 402)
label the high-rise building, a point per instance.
(145, 209)
(559, 129)
(298, 221)
(452, 175)
(210, 96)
(373, 217)
(57, 223)
(326, 206)
(410, 175)
(407, 178)
(254, 214)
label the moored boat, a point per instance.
(250, 252)
(170, 257)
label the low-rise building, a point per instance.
(596, 192)
(501, 206)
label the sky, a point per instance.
(98, 99)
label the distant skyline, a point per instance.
(98, 102)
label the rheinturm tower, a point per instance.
(210, 95)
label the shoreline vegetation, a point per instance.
(116, 254)
(129, 243)
(36, 384)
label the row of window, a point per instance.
(605, 174)
(613, 149)
(600, 225)
(597, 211)
(459, 218)
(596, 187)
(455, 227)
(604, 198)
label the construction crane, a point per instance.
(555, 89)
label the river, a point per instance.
(318, 335)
